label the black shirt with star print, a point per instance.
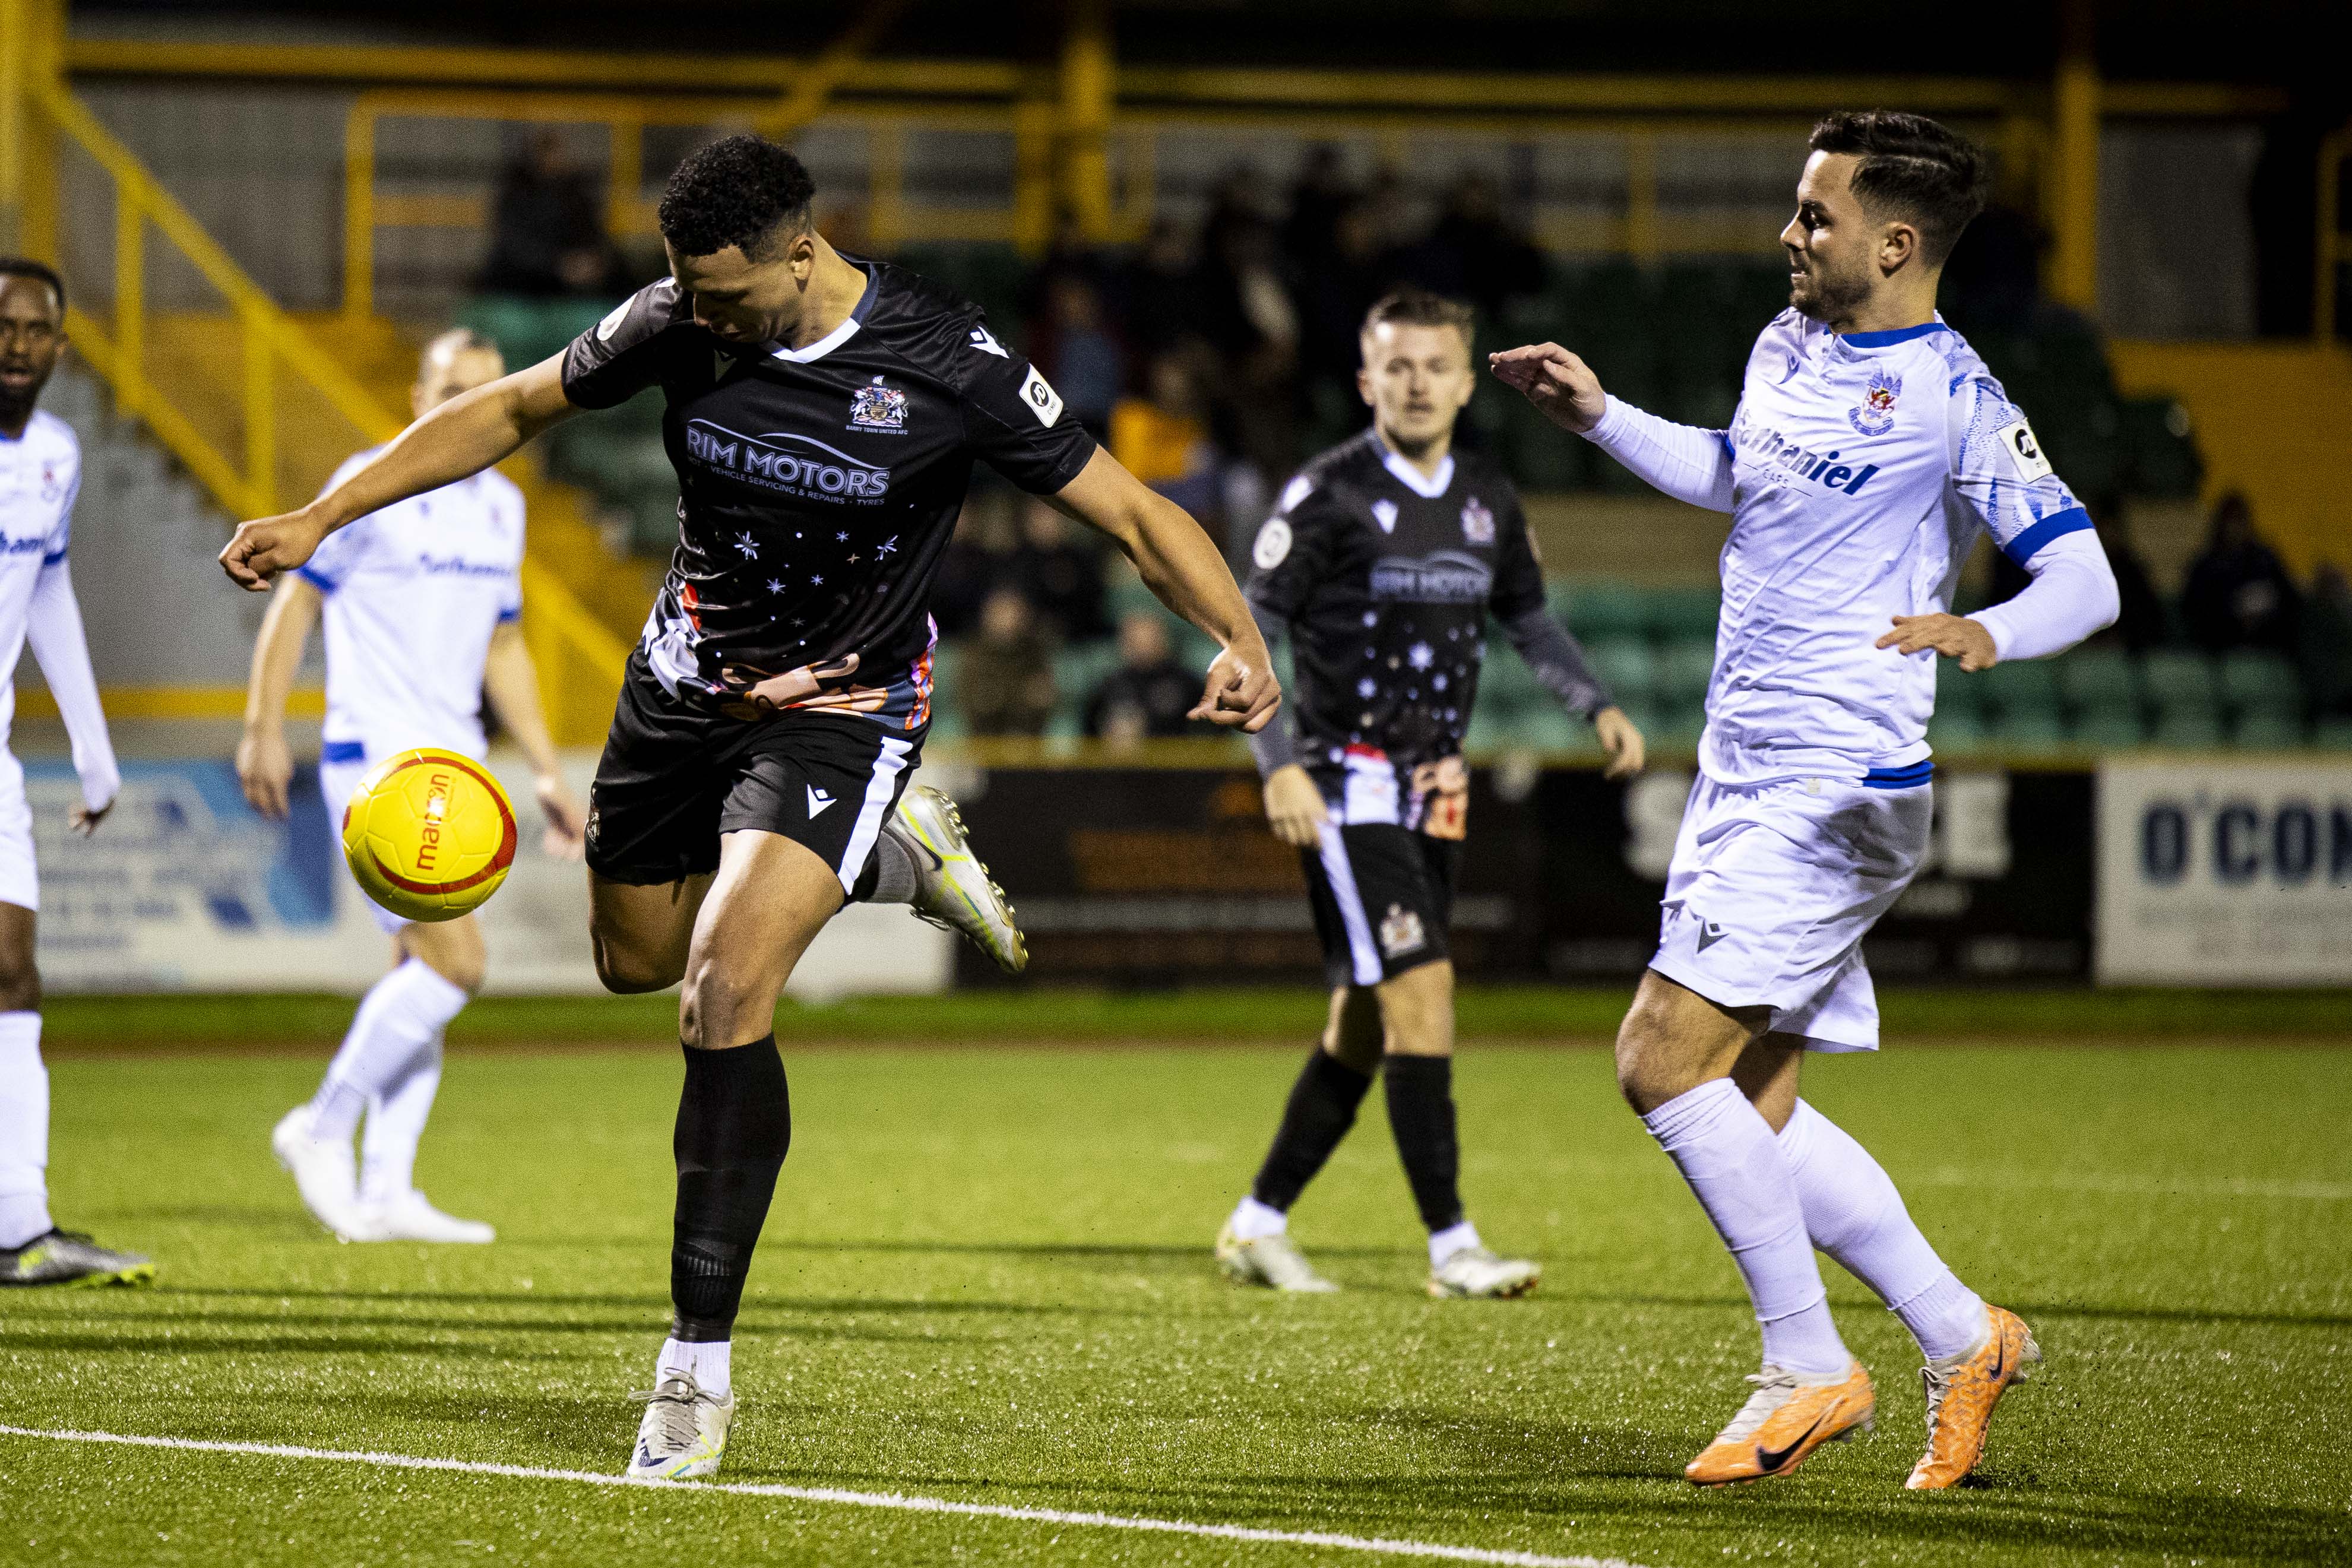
(817, 486)
(1383, 580)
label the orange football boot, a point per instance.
(1961, 1393)
(1783, 1422)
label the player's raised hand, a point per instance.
(1622, 739)
(265, 546)
(1238, 693)
(1562, 386)
(264, 769)
(84, 820)
(1954, 636)
(1294, 806)
(567, 824)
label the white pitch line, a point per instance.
(898, 1501)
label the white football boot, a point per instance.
(410, 1217)
(952, 888)
(1473, 1271)
(1273, 1261)
(324, 1175)
(684, 1435)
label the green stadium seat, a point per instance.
(1685, 612)
(1509, 682)
(1626, 666)
(2021, 686)
(2196, 728)
(1677, 725)
(2177, 677)
(1958, 693)
(1549, 730)
(2332, 734)
(2098, 679)
(2111, 726)
(2029, 728)
(1683, 668)
(1962, 730)
(1598, 608)
(1078, 670)
(2264, 729)
(1489, 731)
(2258, 679)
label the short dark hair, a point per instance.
(743, 191)
(1912, 168)
(39, 272)
(1412, 307)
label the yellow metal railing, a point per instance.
(224, 388)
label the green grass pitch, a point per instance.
(986, 1280)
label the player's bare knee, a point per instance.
(1648, 1074)
(628, 971)
(1354, 1033)
(20, 984)
(723, 1003)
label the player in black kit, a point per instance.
(1383, 562)
(824, 414)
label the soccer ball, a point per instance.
(429, 834)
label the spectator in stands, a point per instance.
(1476, 252)
(547, 228)
(1162, 437)
(2237, 594)
(1083, 359)
(979, 559)
(1318, 198)
(1148, 697)
(2327, 643)
(1334, 296)
(2140, 624)
(1006, 673)
(1059, 575)
(1157, 297)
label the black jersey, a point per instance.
(1385, 581)
(817, 486)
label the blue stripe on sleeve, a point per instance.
(2022, 548)
(316, 579)
(1909, 777)
(54, 557)
(343, 751)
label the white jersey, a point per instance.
(413, 593)
(40, 472)
(1862, 465)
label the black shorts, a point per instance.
(1383, 897)
(673, 780)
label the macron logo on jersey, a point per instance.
(1821, 468)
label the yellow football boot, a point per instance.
(1961, 1393)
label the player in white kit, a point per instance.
(1870, 448)
(421, 602)
(40, 470)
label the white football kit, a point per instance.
(1858, 470)
(413, 593)
(40, 473)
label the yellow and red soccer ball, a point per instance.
(429, 834)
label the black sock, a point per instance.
(1322, 1108)
(1421, 1114)
(734, 1126)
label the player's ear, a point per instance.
(1899, 245)
(1364, 384)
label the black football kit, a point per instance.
(1383, 579)
(783, 681)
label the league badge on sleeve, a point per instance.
(2024, 451)
(1273, 544)
(876, 407)
(1043, 400)
(1875, 415)
(1477, 522)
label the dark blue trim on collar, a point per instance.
(2022, 548)
(1898, 335)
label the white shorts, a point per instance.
(20, 881)
(336, 783)
(1773, 887)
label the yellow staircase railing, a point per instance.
(232, 385)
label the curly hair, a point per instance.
(743, 191)
(1910, 167)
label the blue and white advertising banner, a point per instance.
(2225, 872)
(185, 887)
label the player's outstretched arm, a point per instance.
(263, 764)
(1183, 568)
(463, 436)
(510, 682)
(53, 628)
(1678, 460)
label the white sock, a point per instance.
(396, 1124)
(400, 1018)
(1727, 1152)
(707, 1360)
(1446, 1243)
(1853, 1214)
(23, 1131)
(1254, 1221)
